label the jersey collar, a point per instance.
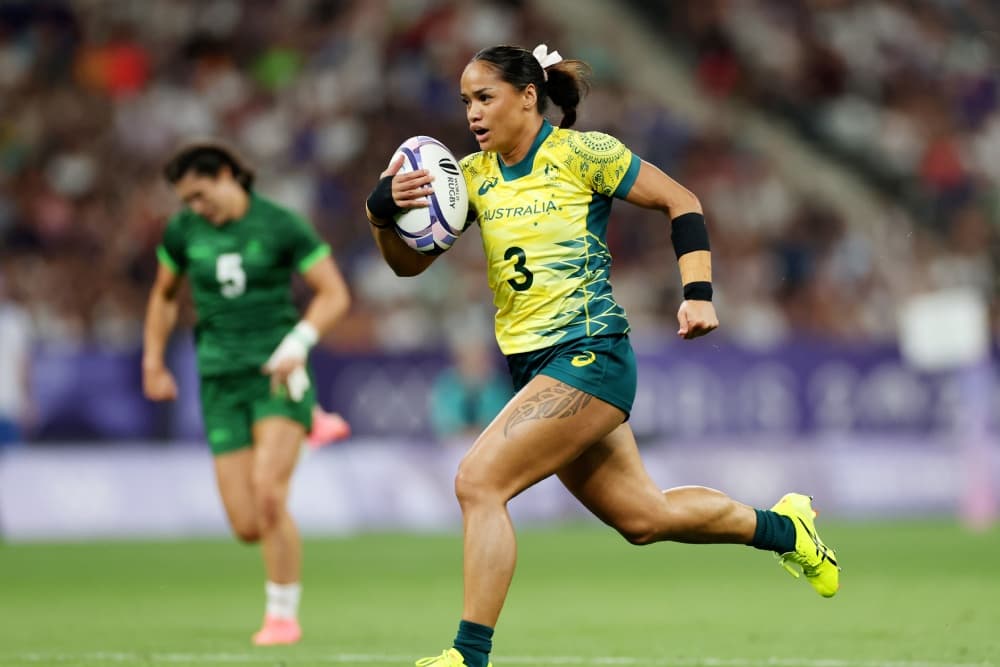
(523, 168)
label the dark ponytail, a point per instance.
(565, 82)
(567, 85)
(207, 157)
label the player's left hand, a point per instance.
(286, 366)
(289, 373)
(696, 318)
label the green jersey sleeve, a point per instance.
(172, 249)
(305, 244)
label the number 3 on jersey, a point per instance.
(229, 272)
(527, 277)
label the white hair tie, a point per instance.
(546, 59)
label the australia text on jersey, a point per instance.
(537, 208)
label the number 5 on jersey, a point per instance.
(229, 272)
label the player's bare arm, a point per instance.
(401, 258)
(654, 189)
(161, 315)
(331, 298)
(330, 302)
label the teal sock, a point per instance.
(775, 532)
(474, 642)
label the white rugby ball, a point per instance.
(433, 228)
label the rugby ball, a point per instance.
(434, 228)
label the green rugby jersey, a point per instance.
(240, 275)
(544, 227)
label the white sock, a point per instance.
(283, 599)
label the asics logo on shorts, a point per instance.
(218, 434)
(584, 359)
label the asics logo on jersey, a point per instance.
(200, 251)
(487, 184)
(584, 359)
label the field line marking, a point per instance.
(354, 658)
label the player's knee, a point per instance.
(268, 512)
(473, 487)
(466, 490)
(246, 530)
(638, 531)
(270, 504)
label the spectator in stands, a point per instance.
(15, 369)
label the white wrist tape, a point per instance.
(306, 333)
(295, 345)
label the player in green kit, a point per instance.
(542, 197)
(239, 251)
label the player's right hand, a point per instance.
(696, 318)
(410, 189)
(158, 383)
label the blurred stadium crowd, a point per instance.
(902, 92)
(318, 93)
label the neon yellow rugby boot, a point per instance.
(450, 658)
(816, 560)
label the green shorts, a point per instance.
(602, 366)
(230, 404)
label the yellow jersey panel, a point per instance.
(544, 230)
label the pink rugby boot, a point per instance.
(328, 427)
(277, 631)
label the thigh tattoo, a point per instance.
(559, 401)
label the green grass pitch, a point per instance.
(914, 594)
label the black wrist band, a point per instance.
(700, 290)
(688, 233)
(374, 221)
(380, 203)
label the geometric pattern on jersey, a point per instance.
(594, 311)
(543, 225)
(240, 274)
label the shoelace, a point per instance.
(810, 570)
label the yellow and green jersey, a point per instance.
(240, 275)
(544, 228)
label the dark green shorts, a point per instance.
(230, 404)
(602, 366)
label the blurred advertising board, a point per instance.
(687, 390)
